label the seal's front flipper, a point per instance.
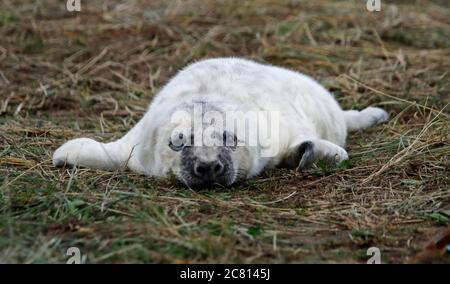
(306, 152)
(117, 155)
(318, 149)
(89, 153)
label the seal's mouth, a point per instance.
(198, 182)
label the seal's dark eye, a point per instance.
(229, 140)
(177, 142)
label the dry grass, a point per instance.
(65, 75)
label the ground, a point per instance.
(92, 74)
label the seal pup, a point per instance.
(184, 130)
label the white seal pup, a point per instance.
(183, 131)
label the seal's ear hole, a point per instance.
(177, 142)
(230, 140)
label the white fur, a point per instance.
(308, 113)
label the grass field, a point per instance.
(92, 74)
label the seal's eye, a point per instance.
(177, 142)
(229, 140)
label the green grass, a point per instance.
(93, 74)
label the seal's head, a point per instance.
(196, 144)
(200, 165)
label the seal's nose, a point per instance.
(208, 169)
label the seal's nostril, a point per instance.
(218, 168)
(200, 170)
